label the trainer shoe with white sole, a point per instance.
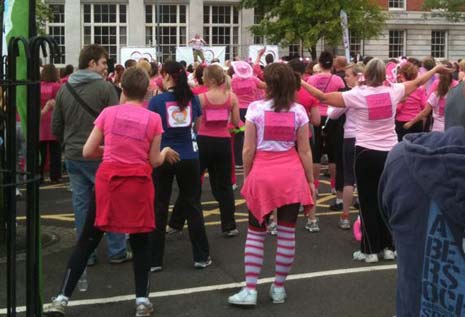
(388, 254)
(246, 297)
(144, 309)
(57, 307)
(368, 258)
(313, 225)
(203, 264)
(278, 294)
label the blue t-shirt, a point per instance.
(177, 124)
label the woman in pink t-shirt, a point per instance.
(272, 128)
(411, 106)
(247, 88)
(124, 192)
(219, 106)
(374, 106)
(50, 148)
(436, 103)
(326, 82)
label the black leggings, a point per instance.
(287, 214)
(188, 207)
(215, 155)
(401, 131)
(369, 165)
(52, 150)
(88, 242)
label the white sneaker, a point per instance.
(246, 297)
(57, 307)
(359, 256)
(278, 294)
(388, 255)
(234, 187)
(144, 308)
(371, 258)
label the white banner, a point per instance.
(345, 34)
(136, 53)
(186, 54)
(269, 49)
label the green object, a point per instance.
(288, 22)
(451, 9)
(16, 24)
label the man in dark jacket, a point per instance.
(422, 195)
(72, 123)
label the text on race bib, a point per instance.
(379, 106)
(217, 117)
(130, 127)
(243, 87)
(177, 118)
(279, 126)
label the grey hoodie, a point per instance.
(71, 123)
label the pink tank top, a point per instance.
(215, 118)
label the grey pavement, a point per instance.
(317, 290)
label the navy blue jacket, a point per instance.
(422, 196)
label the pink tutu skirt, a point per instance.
(275, 180)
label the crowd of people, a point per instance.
(128, 133)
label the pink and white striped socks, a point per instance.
(254, 256)
(285, 252)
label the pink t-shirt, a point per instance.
(412, 106)
(304, 98)
(200, 90)
(246, 90)
(128, 133)
(48, 91)
(276, 131)
(350, 126)
(326, 83)
(435, 84)
(374, 111)
(215, 118)
(439, 108)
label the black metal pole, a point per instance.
(10, 177)
(33, 301)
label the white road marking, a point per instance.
(210, 288)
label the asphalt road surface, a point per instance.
(324, 280)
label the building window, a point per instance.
(397, 4)
(106, 25)
(221, 27)
(56, 29)
(356, 45)
(257, 17)
(438, 44)
(294, 50)
(166, 28)
(396, 43)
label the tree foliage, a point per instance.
(307, 21)
(453, 10)
(44, 14)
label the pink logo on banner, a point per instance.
(217, 117)
(279, 126)
(379, 106)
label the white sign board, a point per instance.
(186, 54)
(136, 53)
(269, 49)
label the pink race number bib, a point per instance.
(243, 87)
(379, 106)
(279, 126)
(134, 128)
(217, 117)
